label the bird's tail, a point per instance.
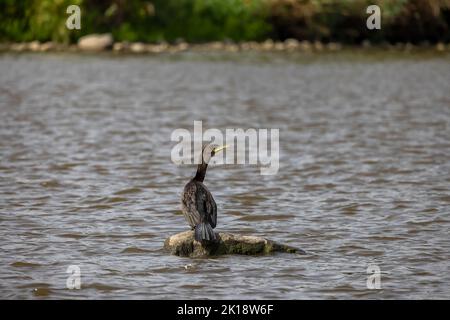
(204, 231)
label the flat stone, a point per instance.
(183, 244)
(95, 42)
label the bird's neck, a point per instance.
(201, 172)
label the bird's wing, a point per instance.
(212, 209)
(189, 205)
(207, 206)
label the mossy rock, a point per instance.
(183, 244)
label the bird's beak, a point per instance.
(220, 148)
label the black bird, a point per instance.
(197, 203)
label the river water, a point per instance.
(86, 177)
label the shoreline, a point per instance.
(290, 45)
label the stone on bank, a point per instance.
(95, 42)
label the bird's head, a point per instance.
(210, 150)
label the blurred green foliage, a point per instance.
(237, 20)
(191, 20)
(133, 20)
(41, 20)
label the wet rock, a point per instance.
(95, 42)
(184, 244)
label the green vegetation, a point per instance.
(238, 20)
(345, 20)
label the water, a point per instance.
(86, 177)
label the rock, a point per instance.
(305, 45)
(137, 47)
(34, 46)
(182, 46)
(252, 45)
(18, 47)
(440, 47)
(279, 46)
(245, 46)
(292, 44)
(119, 46)
(318, 46)
(333, 46)
(267, 45)
(157, 48)
(231, 47)
(95, 42)
(183, 244)
(215, 46)
(47, 46)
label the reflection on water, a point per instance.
(86, 177)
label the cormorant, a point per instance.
(197, 203)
